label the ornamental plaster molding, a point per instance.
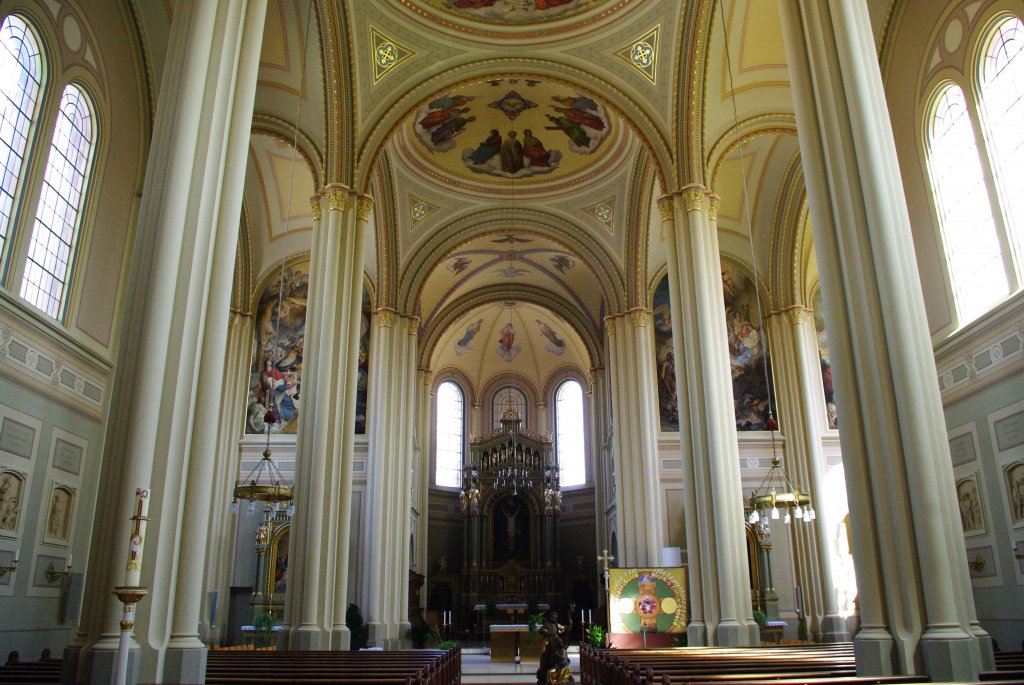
(337, 199)
(693, 198)
(314, 206)
(364, 205)
(640, 317)
(666, 204)
(714, 202)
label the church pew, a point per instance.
(426, 667)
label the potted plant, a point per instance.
(359, 632)
(594, 635)
(263, 624)
(419, 633)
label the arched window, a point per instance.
(569, 434)
(58, 214)
(973, 249)
(448, 436)
(1002, 101)
(505, 398)
(21, 70)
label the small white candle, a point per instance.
(69, 561)
(17, 554)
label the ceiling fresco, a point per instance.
(509, 260)
(513, 129)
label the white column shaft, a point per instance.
(898, 471)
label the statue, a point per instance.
(511, 512)
(554, 659)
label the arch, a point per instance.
(691, 102)
(498, 293)
(448, 474)
(521, 383)
(241, 285)
(386, 234)
(286, 132)
(749, 129)
(787, 273)
(457, 75)
(480, 223)
(638, 222)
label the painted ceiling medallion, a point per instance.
(420, 209)
(387, 54)
(603, 211)
(642, 54)
(557, 129)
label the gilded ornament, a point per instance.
(796, 315)
(714, 202)
(385, 318)
(364, 205)
(693, 199)
(609, 324)
(314, 205)
(639, 318)
(414, 325)
(665, 207)
(336, 199)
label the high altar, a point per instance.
(511, 503)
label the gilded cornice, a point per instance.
(630, 112)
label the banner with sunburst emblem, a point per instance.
(647, 600)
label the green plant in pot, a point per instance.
(761, 619)
(359, 632)
(263, 623)
(594, 636)
(420, 633)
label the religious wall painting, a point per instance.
(507, 347)
(59, 514)
(465, 343)
(275, 378)
(664, 358)
(1014, 483)
(750, 369)
(511, 128)
(511, 270)
(514, 12)
(563, 263)
(553, 343)
(825, 360)
(278, 561)
(459, 264)
(364, 364)
(647, 600)
(12, 493)
(969, 502)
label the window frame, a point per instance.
(588, 480)
(435, 414)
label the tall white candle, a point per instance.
(133, 569)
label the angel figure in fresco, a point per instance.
(555, 345)
(459, 264)
(578, 102)
(562, 262)
(581, 117)
(465, 343)
(507, 349)
(439, 116)
(443, 134)
(570, 128)
(449, 101)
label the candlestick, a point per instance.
(17, 554)
(133, 569)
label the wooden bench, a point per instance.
(32, 672)
(413, 667)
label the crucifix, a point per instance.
(604, 559)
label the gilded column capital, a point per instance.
(385, 317)
(414, 325)
(693, 198)
(797, 315)
(714, 202)
(609, 324)
(665, 206)
(314, 206)
(364, 205)
(639, 316)
(337, 199)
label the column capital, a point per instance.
(414, 325)
(795, 314)
(714, 202)
(314, 206)
(336, 197)
(639, 315)
(385, 316)
(693, 197)
(609, 324)
(364, 205)
(666, 204)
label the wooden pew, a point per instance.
(32, 672)
(414, 667)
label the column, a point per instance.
(321, 527)
(220, 545)
(898, 472)
(633, 397)
(801, 406)
(392, 402)
(176, 314)
(715, 536)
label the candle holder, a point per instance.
(4, 570)
(1018, 553)
(52, 575)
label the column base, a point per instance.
(697, 634)
(983, 642)
(735, 634)
(375, 634)
(185, 663)
(949, 655)
(341, 639)
(69, 663)
(307, 638)
(101, 666)
(873, 652)
(393, 643)
(405, 642)
(833, 629)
